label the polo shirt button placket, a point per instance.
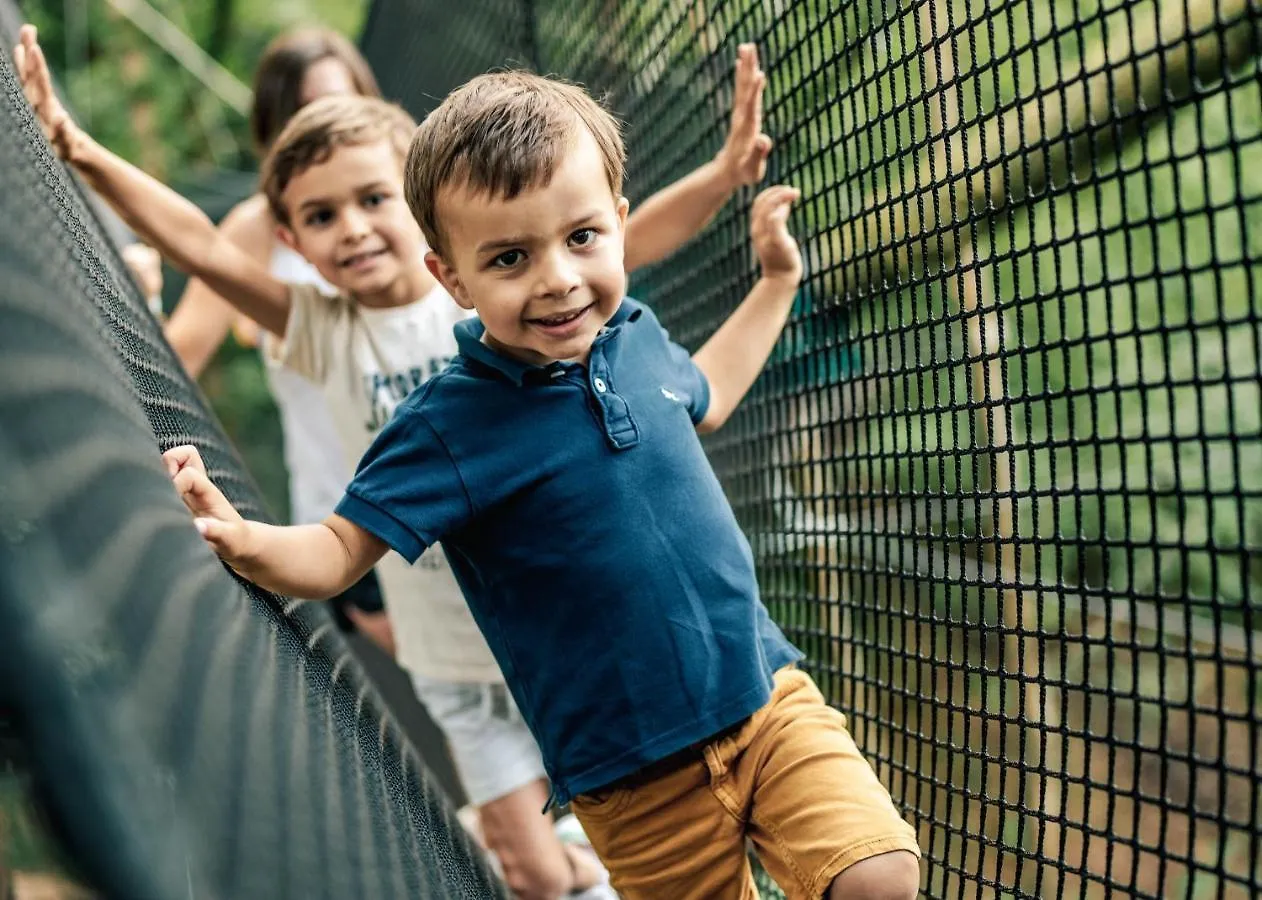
(620, 428)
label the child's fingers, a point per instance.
(36, 71)
(740, 128)
(39, 67)
(752, 55)
(754, 164)
(225, 538)
(744, 72)
(49, 108)
(23, 66)
(778, 252)
(183, 456)
(195, 490)
(201, 496)
(26, 39)
(37, 85)
(755, 101)
(780, 214)
(774, 201)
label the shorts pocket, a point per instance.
(602, 803)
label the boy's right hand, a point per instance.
(37, 85)
(228, 534)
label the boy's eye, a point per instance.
(508, 259)
(319, 217)
(374, 199)
(583, 237)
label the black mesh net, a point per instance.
(1003, 476)
(189, 738)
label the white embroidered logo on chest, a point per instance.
(671, 395)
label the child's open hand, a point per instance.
(37, 84)
(744, 155)
(146, 267)
(222, 526)
(777, 251)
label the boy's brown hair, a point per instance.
(503, 133)
(321, 127)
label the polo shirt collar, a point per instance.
(469, 340)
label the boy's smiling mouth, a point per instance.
(562, 322)
(361, 259)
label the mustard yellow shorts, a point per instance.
(790, 778)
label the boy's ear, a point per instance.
(448, 278)
(287, 237)
(622, 207)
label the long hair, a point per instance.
(278, 78)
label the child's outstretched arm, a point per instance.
(173, 226)
(202, 319)
(313, 562)
(736, 353)
(676, 214)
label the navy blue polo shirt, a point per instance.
(591, 538)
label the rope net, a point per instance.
(189, 735)
(1003, 475)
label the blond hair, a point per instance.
(321, 127)
(501, 134)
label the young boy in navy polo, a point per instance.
(557, 460)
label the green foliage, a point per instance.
(26, 843)
(145, 105)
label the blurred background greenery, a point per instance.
(144, 104)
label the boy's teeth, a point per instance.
(561, 319)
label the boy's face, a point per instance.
(544, 270)
(347, 216)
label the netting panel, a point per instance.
(1003, 476)
(437, 51)
(193, 738)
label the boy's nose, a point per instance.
(557, 276)
(354, 225)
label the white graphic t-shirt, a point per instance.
(314, 457)
(367, 361)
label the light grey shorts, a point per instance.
(494, 752)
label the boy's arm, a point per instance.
(676, 214)
(162, 218)
(736, 353)
(312, 562)
(202, 319)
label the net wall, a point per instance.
(1003, 476)
(189, 737)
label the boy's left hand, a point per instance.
(743, 158)
(777, 251)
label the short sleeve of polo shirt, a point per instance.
(407, 490)
(687, 377)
